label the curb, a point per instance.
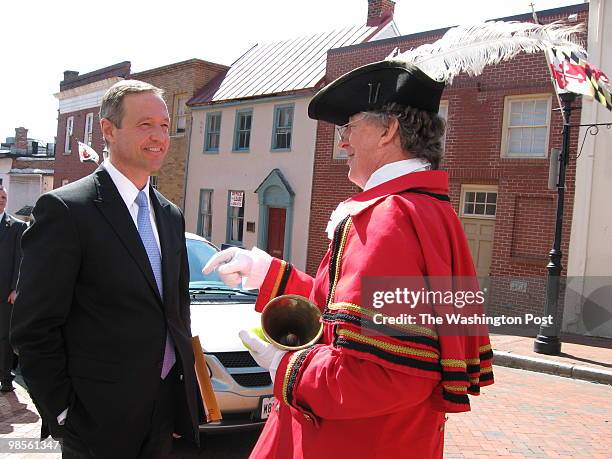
(511, 360)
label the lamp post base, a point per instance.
(549, 345)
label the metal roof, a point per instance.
(280, 66)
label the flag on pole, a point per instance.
(86, 153)
(572, 73)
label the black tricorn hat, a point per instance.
(372, 86)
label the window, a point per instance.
(235, 217)
(443, 113)
(153, 180)
(180, 113)
(526, 126)
(65, 182)
(283, 124)
(242, 135)
(479, 202)
(213, 132)
(87, 136)
(205, 214)
(68, 138)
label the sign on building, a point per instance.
(236, 198)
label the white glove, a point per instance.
(235, 265)
(265, 354)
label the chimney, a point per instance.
(379, 11)
(21, 140)
(70, 75)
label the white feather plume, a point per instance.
(471, 48)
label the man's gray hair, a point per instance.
(112, 102)
(420, 132)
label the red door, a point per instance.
(276, 231)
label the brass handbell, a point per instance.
(291, 322)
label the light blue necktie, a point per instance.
(150, 244)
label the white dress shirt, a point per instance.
(381, 175)
(2, 216)
(128, 192)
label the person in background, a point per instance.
(11, 230)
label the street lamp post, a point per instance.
(547, 341)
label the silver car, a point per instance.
(218, 313)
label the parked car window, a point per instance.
(199, 252)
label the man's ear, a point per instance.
(389, 134)
(108, 130)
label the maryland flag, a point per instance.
(86, 153)
(573, 74)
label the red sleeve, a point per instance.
(283, 278)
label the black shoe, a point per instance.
(7, 387)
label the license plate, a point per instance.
(266, 404)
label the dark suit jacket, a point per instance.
(11, 230)
(89, 324)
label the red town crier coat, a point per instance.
(363, 395)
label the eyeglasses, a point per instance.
(342, 130)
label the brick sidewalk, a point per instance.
(523, 415)
(528, 414)
(19, 419)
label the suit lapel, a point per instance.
(166, 241)
(4, 226)
(112, 206)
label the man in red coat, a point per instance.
(372, 390)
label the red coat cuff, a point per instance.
(287, 379)
(279, 270)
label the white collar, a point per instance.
(126, 188)
(381, 175)
(394, 170)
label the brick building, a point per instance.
(501, 127)
(80, 97)
(79, 103)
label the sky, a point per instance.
(41, 38)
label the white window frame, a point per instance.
(69, 130)
(238, 219)
(65, 182)
(477, 189)
(88, 133)
(205, 216)
(180, 113)
(508, 100)
(443, 113)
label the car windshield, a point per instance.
(198, 253)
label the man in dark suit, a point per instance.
(11, 230)
(102, 320)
